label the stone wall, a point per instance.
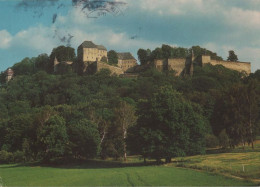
(160, 65)
(178, 65)
(113, 69)
(238, 66)
(126, 64)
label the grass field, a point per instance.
(216, 170)
(244, 163)
(100, 173)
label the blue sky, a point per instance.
(27, 28)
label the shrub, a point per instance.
(6, 157)
(19, 157)
(223, 139)
(211, 141)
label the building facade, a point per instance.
(126, 61)
(90, 52)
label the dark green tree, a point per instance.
(240, 113)
(232, 56)
(168, 126)
(142, 56)
(104, 59)
(167, 51)
(53, 137)
(112, 57)
(85, 140)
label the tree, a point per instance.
(168, 126)
(166, 49)
(142, 56)
(240, 113)
(25, 67)
(112, 57)
(42, 62)
(157, 54)
(125, 117)
(104, 59)
(232, 56)
(85, 139)
(62, 54)
(53, 137)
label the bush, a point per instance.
(6, 157)
(211, 141)
(19, 157)
(223, 139)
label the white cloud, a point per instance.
(243, 18)
(5, 39)
(178, 7)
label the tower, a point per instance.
(9, 74)
(55, 63)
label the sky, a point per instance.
(29, 28)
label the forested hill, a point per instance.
(157, 115)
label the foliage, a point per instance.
(52, 116)
(125, 118)
(168, 126)
(53, 137)
(104, 59)
(232, 56)
(84, 138)
(211, 141)
(143, 56)
(112, 57)
(223, 139)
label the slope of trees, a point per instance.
(46, 116)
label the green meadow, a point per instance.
(108, 173)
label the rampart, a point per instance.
(238, 66)
(178, 65)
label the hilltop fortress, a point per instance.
(184, 66)
(90, 57)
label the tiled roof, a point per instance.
(90, 44)
(125, 56)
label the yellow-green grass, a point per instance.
(245, 165)
(103, 174)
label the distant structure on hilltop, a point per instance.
(90, 55)
(90, 52)
(9, 74)
(126, 61)
(184, 66)
(90, 60)
(57, 63)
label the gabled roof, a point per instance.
(90, 44)
(125, 56)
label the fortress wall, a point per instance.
(238, 66)
(159, 64)
(113, 69)
(177, 64)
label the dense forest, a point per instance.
(46, 115)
